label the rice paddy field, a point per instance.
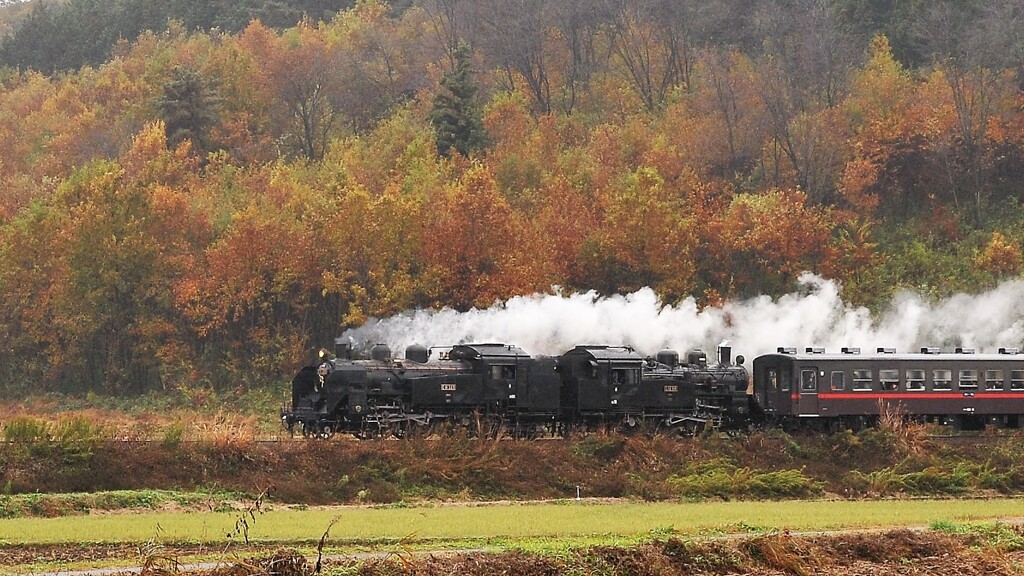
(508, 522)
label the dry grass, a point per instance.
(224, 429)
(910, 437)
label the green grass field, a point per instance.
(568, 519)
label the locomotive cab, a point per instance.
(600, 380)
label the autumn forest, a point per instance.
(200, 203)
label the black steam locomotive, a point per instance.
(496, 387)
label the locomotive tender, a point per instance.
(491, 387)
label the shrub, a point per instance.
(604, 448)
(26, 429)
(77, 430)
(723, 479)
(173, 435)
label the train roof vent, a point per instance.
(784, 350)
(930, 350)
(1009, 350)
(815, 350)
(886, 350)
(850, 350)
(965, 350)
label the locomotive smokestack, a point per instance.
(725, 355)
(343, 348)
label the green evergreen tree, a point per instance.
(188, 109)
(31, 45)
(455, 114)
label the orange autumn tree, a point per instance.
(469, 243)
(648, 237)
(889, 135)
(542, 176)
(767, 240)
(378, 186)
(722, 119)
(256, 289)
(1001, 257)
(107, 301)
(374, 241)
(26, 281)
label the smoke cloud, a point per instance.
(814, 315)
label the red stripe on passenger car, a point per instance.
(921, 395)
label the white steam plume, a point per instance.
(815, 315)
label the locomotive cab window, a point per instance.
(968, 379)
(862, 379)
(915, 380)
(1016, 379)
(890, 379)
(503, 372)
(994, 379)
(942, 379)
(838, 380)
(624, 376)
(809, 380)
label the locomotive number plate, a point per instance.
(448, 387)
(671, 389)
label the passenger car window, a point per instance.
(915, 380)
(968, 379)
(889, 379)
(809, 380)
(942, 379)
(838, 380)
(862, 379)
(784, 381)
(994, 380)
(1016, 379)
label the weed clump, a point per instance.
(722, 479)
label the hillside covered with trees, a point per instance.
(195, 194)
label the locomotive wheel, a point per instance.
(369, 433)
(692, 428)
(629, 426)
(326, 431)
(398, 429)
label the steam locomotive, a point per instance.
(498, 387)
